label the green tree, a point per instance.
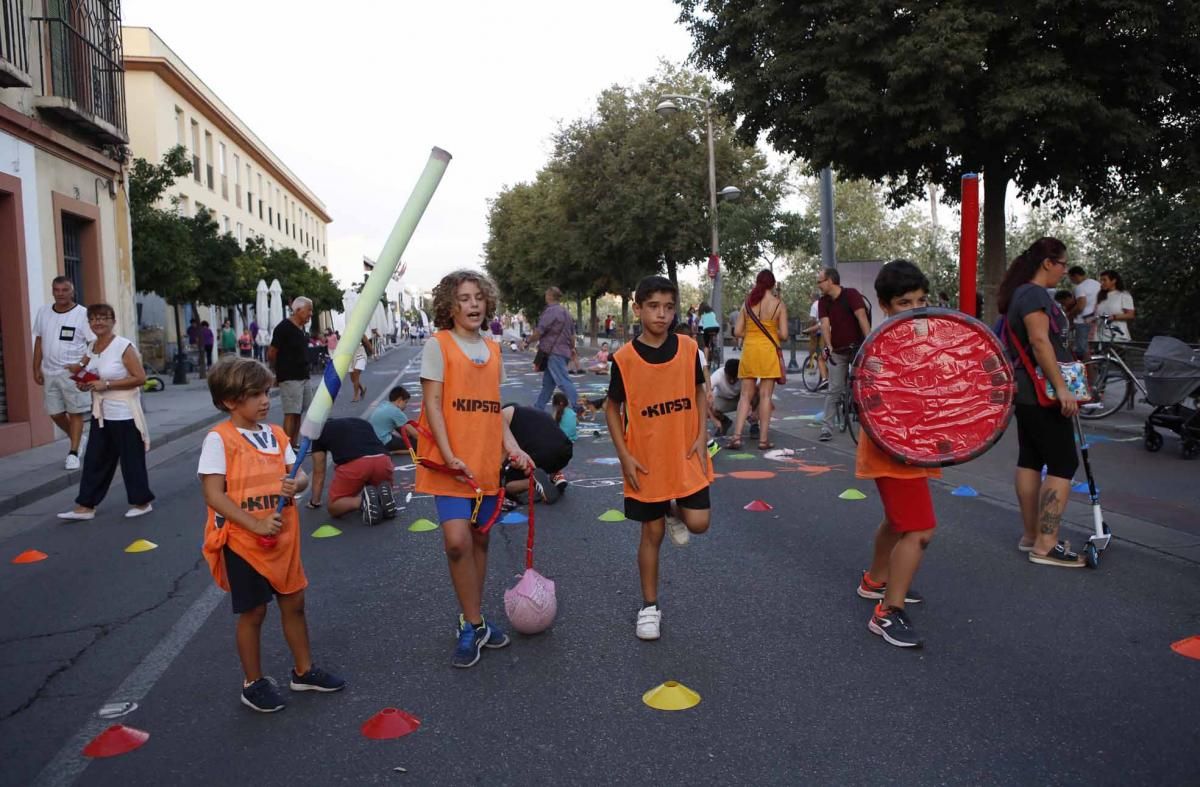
(164, 260)
(1072, 102)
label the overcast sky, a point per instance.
(353, 94)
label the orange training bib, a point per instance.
(253, 480)
(662, 423)
(474, 426)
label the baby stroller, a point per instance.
(1172, 377)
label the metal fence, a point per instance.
(13, 45)
(79, 50)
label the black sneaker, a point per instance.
(316, 679)
(262, 696)
(875, 591)
(894, 626)
(826, 436)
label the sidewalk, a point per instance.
(173, 413)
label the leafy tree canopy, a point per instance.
(1071, 101)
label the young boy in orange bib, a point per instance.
(908, 519)
(656, 416)
(461, 374)
(253, 552)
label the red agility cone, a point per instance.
(758, 505)
(117, 739)
(390, 723)
(29, 556)
(1189, 647)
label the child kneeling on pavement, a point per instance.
(252, 551)
(362, 477)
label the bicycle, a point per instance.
(810, 372)
(845, 415)
(1113, 383)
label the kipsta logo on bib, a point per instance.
(464, 405)
(667, 407)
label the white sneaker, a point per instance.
(135, 512)
(73, 514)
(72, 462)
(648, 621)
(678, 531)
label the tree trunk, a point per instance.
(672, 272)
(624, 316)
(592, 330)
(995, 256)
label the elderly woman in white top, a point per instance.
(112, 371)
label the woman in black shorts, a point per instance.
(1045, 435)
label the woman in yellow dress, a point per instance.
(760, 365)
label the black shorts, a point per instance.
(640, 511)
(395, 444)
(550, 461)
(247, 588)
(1046, 438)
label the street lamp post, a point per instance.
(666, 108)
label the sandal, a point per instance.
(1059, 556)
(767, 446)
(313, 504)
(735, 443)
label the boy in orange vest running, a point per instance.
(461, 374)
(656, 416)
(908, 518)
(253, 552)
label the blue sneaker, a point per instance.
(316, 679)
(470, 644)
(496, 636)
(262, 696)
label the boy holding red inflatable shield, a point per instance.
(908, 518)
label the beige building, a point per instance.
(246, 188)
(63, 204)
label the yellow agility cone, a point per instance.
(671, 696)
(422, 526)
(141, 545)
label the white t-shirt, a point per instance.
(110, 365)
(212, 453)
(64, 337)
(433, 366)
(723, 388)
(1114, 303)
(1090, 289)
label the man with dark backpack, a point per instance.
(844, 325)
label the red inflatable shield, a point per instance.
(933, 387)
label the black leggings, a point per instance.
(1046, 438)
(117, 442)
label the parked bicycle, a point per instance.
(1114, 385)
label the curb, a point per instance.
(71, 478)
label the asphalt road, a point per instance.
(1029, 675)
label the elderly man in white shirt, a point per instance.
(61, 336)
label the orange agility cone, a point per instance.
(1189, 647)
(30, 556)
(117, 739)
(390, 723)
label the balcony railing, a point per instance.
(14, 47)
(83, 81)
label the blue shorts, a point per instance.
(461, 507)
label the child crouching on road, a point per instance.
(253, 552)
(908, 518)
(657, 411)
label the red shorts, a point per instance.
(907, 503)
(350, 478)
